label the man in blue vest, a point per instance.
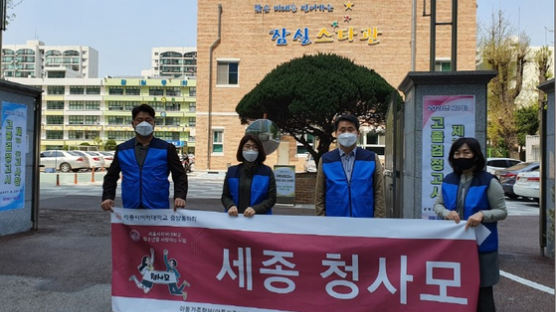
(349, 178)
(145, 163)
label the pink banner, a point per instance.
(191, 260)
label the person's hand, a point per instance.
(249, 212)
(232, 211)
(179, 203)
(165, 251)
(107, 205)
(453, 215)
(474, 220)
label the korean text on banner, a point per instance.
(195, 260)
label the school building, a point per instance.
(239, 42)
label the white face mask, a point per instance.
(347, 139)
(250, 155)
(144, 129)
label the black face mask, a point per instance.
(463, 163)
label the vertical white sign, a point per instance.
(13, 148)
(446, 118)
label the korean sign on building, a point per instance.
(203, 261)
(446, 118)
(339, 29)
(13, 147)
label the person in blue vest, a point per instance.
(250, 187)
(472, 194)
(145, 163)
(349, 179)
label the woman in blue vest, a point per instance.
(472, 194)
(249, 188)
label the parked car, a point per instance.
(309, 164)
(494, 164)
(527, 184)
(94, 161)
(64, 161)
(97, 155)
(508, 176)
(108, 158)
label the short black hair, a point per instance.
(142, 108)
(475, 147)
(349, 118)
(262, 155)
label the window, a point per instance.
(55, 90)
(75, 105)
(119, 120)
(54, 134)
(191, 122)
(132, 91)
(173, 92)
(172, 106)
(75, 120)
(156, 91)
(116, 91)
(77, 90)
(192, 107)
(92, 105)
(91, 120)
(302, 149)
(442, 65)
(192, 91)
(217, 141)
(93, 90)
(120, 135)
(54, 120)
(167, 136)
(227, 73)
(373, 141)
(54, 104)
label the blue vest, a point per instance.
(259, 184)
(349, 199)
(475, 200)
(145, 187)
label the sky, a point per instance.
(125, 31)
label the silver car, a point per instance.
(64, 161)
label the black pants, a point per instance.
(486, 300)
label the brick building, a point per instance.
(256, 36)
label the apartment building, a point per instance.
(34, 59)
(173, 62)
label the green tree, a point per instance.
(543, 61)
(110, 145)
(304, 95)
(506, 55)
(527, 122)
(98, 142)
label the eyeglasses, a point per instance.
(250, 147)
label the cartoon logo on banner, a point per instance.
(150, 276)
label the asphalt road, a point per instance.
(66, 264)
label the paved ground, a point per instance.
(66, 266)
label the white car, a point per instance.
(494, 164)
(527, 184)
(108, 158)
